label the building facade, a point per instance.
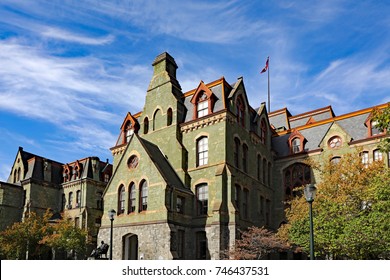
(74, 190)
(194, 168)
(190, 170)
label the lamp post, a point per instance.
(310, 193)
(111, 215)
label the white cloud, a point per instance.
(57, 33)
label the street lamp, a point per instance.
(310, 193)
(111, 215)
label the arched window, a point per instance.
(121, 199)
(237, 145)
(240, 111)
(132, 198)
(146, 125)
(143, 196)
(70, 200)
(19, 174)
(296, 175)
(335, 160)
(169, 117)
(296, 145)
(156, 119)
(78, 199)
(263, 132)
(202, 197)
(202, 151)
(15, 176)
(245, 157)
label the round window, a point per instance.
(132, 162)
(335, 142)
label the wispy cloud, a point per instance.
(60, 34)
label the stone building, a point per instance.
(190, 170)
(193, 168)
(36, 184)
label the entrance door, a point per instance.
(130, 247)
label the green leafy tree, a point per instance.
(22, 240)
(36, 237)
(351, 212)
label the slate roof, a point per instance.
(161, 162)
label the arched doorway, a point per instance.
(130, 247)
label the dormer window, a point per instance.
(296, 145)
(203, 101)
(128, 131)
(202, 106)
(374, 129)
(296, 142)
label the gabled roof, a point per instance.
(162, 164)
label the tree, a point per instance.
(255, 243)
(66, 237)
(382, 118)
(36, 237)
(351, 212)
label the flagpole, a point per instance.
(269, 96)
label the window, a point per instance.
(269, 174)
(296, 175)
(78, 199)
(202, 151)
(201, 245)
(180, 204)
(203, 108)
(121, 200)
(146, 125)
(169, 117)
(267, 211)
(263, 132)
(245, 157)
(335, 142)
(99, 200)
(106, 177)
(132, 197)
(296, 145)
(144, 196)
(70, 200)
(202, 197)
(264, 171)
(240, 111)
(335, 160)
(128, 131)
(258, 167)
(378, 155)
(236, 152)
(132, 162)
(365, 158)
(237, 196)
(245, 203)
(374, 129)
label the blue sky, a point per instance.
(71, 70)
